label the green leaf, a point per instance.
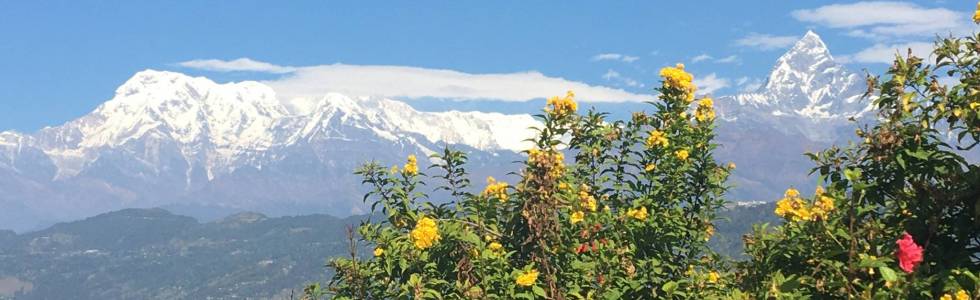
(539, 291)
(669, 287)
(887, 273)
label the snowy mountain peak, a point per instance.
(806, 85)
(217, 128)
(807, 60)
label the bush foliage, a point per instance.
(629, 213)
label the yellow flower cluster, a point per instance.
(639, 214)
(793, 207)
(657, 138)
(426, 233)
(823, 205)
(412, 166)
(588, 201)
(705, 111)
(682, 154)
(496, 189)
(713, 277)
(676, 78)
(551, 160)
(527, 278)
(709, 232)
(379, 251)
(495, 247)
(562, 106)
(576, 217)
(650, 167)
(960, 295)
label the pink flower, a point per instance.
(909, 253)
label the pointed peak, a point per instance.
(810, 42)
(811, 35)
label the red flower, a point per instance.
(909, 253)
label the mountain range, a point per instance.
(195, 146)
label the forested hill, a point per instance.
(154, 254)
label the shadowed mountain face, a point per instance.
(153, 254)
(186, 143)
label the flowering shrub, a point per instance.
(601, 210)
(903, 199)
(609, 210)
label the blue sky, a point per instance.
(60, 59)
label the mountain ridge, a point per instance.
(168, 139)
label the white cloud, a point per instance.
(884, 19)
(885, 54)
(414, 82)
(238, 65)
(766, 41)
(710, 83)
(615, 56)
(724, 60)
(611, 75)
(700, 58)
(727, 60)
(747, 85)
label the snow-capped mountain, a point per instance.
(805, 106)
(807, 92)
(170, 139)
(181, 142)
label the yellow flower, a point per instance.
(681, 154)
(974, 105)
(976, 14)
(527, 278)
(496, 189)
(825, 203)
(713, 277)
(706, 102)
(676, 78)
(957, 112)
(576, 217)
(562, 106)
(705, 111)
(379, 251)
(650, 167)
(588, 201)
(710, 231)
(495, 246)
(962, 295)
(657, 138)
(639, 214)
(426, 233)
(551, 160)
(793, 207)
(946, 297)
(412, 166)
